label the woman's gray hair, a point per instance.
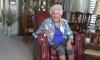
(56, 7)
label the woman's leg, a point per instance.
(61, 52)
(70, 51)
(60, 49)
(62, 57)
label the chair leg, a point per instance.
(84, 57)
(25, 38)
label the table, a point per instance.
(92, 51)
(92, 46)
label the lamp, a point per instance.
(97, 13)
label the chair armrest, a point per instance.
(44, 49)
(78, 44)
(41, 39)
(81, 40)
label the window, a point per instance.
(93, 18)
(92, 6)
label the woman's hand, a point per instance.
(47, 33)
(69, 45)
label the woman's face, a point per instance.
(56, 15)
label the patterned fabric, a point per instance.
(59, 49)
(48, 24)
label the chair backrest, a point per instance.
(86, 20)
(41, 40)
(26, 23)
(39, 17)
(75, 19)
(76, 16)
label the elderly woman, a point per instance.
(58, 32)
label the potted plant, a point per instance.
(9, 21)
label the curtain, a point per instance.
(84, 6)
(67, 7)
(81, 5)
(75, 5)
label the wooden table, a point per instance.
(92, 46)
(92, 51)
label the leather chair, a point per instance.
(47, 53)
(39, 17)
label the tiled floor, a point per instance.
(12, 48)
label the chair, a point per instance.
(86, 21)
(94, 38)
(92, 49)
(26, 21)
(27, 27)
(47, 53)
(39, 17)
(75, 20)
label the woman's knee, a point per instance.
(70, 51)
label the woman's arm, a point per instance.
(40, 30)
(69, 32)
(43, 29)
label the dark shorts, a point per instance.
(60, 48)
